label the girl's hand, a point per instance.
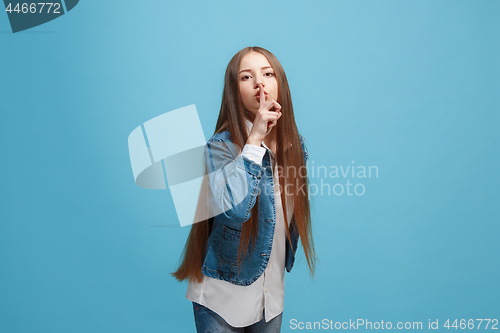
(265, 119)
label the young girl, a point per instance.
(257, 177)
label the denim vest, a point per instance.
(235, 182)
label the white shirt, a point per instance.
(242, 306)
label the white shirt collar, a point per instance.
(249, 125)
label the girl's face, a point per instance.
(255, 69)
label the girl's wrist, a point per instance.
(253, 141)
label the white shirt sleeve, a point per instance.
(254, 153)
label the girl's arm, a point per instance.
(234, 179)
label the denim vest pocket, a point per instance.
(228, 246)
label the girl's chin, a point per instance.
(251, 113)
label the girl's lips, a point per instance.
(258, 95)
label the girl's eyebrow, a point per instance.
(249, 70)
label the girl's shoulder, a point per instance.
(223, 136)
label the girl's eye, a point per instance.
(244, 77)
(269, 74)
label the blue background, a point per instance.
(411, 87)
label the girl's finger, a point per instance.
(262, 99)
(272, 116)
(267, 105)
(272, 104)
(276, 105)
(275, 115)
